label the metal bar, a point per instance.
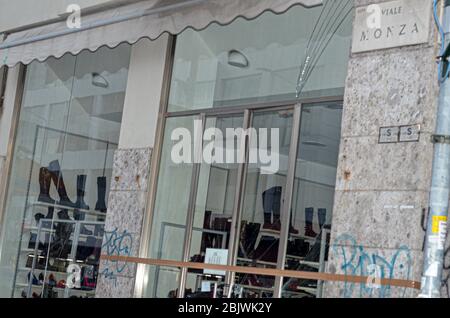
(198, 153)
(24, 214)
(18, 87)
(440, 187)
(265, 271)
(287, 198)
(73, 252)
(323, 246)
(238, 200)
(144, 246)
(102, 23)
(255, 106)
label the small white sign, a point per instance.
(206, 286)
(410, 133)
(389, 135)
(398, 23)
(217, 257)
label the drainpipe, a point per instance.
(440, 187)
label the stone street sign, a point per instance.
(391, 24)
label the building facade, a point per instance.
(93, 204)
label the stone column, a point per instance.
(382, 189)
(131, 170)
(126, 207)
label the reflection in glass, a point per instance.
(67, 132)
(170, 212)
(255, 61)
(260, 224)
(313, 196)
(215, 198)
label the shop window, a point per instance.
(3, 75)
(68, 130)
(256, 61)
(244, 213)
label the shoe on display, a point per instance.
(50, 212)
(81, 187)
(309, 216)
(61, 284)
(34, 280)
(38, 217)
(32, 241)
(51, 281)
(322, 217)
(45, 181)
(101, 193)
(85, 231)
(293, 230)
(64, 215)
(276, 226)
(41, 278)
(57, 178)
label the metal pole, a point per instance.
(440, 187)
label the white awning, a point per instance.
(130, 23)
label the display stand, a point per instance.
(31, 207)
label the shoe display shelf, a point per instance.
(69, 208)
(320, 265)
(24, 274)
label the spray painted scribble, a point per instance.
(446, 280)
(116, 244)
(355, 261)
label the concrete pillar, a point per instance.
(131, 167)
(382, 189)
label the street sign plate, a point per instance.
(410, 133)
(389, 135)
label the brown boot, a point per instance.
(45, 180)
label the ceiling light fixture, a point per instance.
(237, 59)
(99, 81)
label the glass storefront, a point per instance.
(242, 213)
(56, 206)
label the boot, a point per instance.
(101, 190)
(45, 180)
(271, 205)
(292, 230)
(322, 217)
(50, 212)
(81, 186)
(276, 226)
(267, 221)
(57, 178)
(309, 215)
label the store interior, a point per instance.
(67, 133)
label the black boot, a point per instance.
(81, 186)
(58, 180)
(45, 181)
(309, 215)
(322, 217)
(101, 190)
(50, 212)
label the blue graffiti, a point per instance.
(357, 262)
(116, 244)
